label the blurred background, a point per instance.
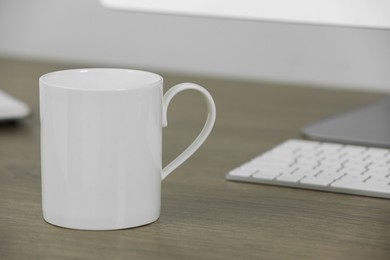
(84, 32)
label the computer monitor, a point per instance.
(369, 125)
(356, 13)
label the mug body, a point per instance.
(101, 136)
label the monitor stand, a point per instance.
(368, 126)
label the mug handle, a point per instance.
(202, 135)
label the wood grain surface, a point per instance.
(203, 216)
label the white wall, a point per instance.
(83, 31)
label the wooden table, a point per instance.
(203, 215)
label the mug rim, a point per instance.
(145, 79)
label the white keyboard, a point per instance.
(321, 166)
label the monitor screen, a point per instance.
(356, 13)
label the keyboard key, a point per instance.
(332, 174)
(377, 173)
(290, 177)
(306, 172)
(368, 187)
(378, 180)
(354, 178)
(377, 152)
(266, 175)
(379, 167)
(329, 167)
(265, 167)
(242, 172)
(353, 170)
(318, 180)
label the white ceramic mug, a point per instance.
(101, 144)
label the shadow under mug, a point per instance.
(101, 146)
